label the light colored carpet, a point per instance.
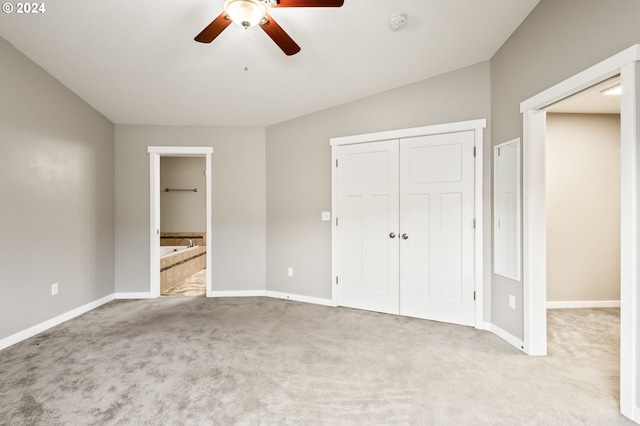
(199, 361)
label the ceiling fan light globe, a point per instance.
(245, 13)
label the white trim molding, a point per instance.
(581, 304)
(177, 151)
(534, 236)
(274, 295)
(629, 239)
(238, 293)
(132, 295)
(155, 152)
(436, 129)
(508, 337)
(583, 80)
(44, 326)
(479, 220)
(299, 298)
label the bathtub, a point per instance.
(167, 250)
(180, 262)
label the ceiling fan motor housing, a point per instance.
(248, 13)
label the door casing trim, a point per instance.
(155, 152)
(534, 225)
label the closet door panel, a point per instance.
(420, 242)
(437, 258)
(367, 216)
(451, 247)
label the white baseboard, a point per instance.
(141, 295)
(43, 326)
(509, 338)
(274, 294)
(237, 293)
(584, 304)
(299, 298)
(633, 414)
(484, 325)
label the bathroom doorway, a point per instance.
(183, 230)
(182, 226)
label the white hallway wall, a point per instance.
(583, 207)
(238, 222)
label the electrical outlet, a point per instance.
(54, 289)
(512, 302)
(290, 271)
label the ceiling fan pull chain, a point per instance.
(246, 50)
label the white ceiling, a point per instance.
(591, 100)
(137, 63)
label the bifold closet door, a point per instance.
(368, 216)
(437, 228)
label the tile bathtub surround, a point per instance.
(177, 238)
(178, 266)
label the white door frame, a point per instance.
(534, 225)
(477, 126)
(155, 152)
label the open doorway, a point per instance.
(583, 232)
(626, 64)
(583, 199)
(183, 226)
(185, 243)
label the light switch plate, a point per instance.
(326, 216)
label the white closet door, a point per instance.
(437, 230)
(368, 226)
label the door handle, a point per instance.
(405, 236)
(392, 235)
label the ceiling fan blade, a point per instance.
(214, 29)
(309, 3)
(279, 36)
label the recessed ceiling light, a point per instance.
(615, 90)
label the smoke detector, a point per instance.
(397, 21)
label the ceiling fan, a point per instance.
(248, 13)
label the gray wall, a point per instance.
(183, 211)
(238, 226)
(583, 207)
(557, 40)
(299, 168)
(56, 181)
